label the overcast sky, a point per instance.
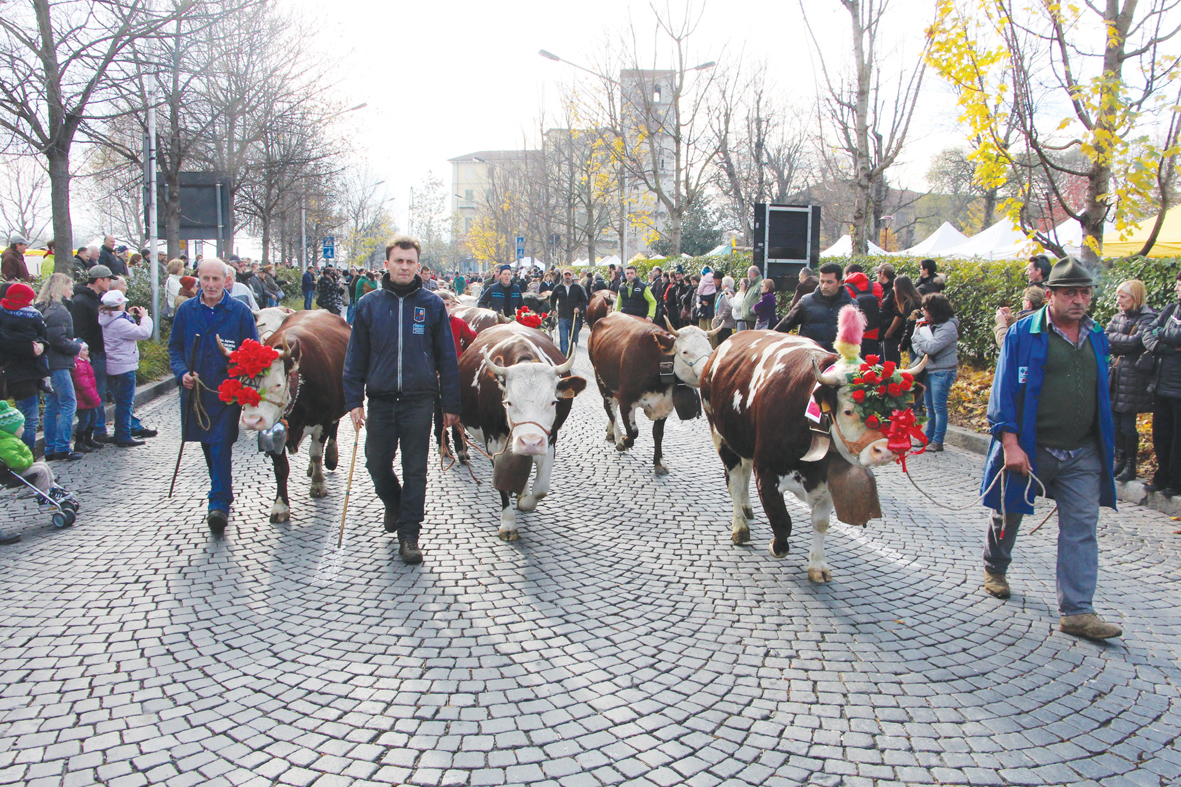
(442, 79)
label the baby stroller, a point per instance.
(57, 500)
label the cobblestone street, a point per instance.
(622, 640)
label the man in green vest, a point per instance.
(634, 297)
(1050, 416)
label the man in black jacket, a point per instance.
(816, 313)
(402, 354)
(502, 296)
(84, 310)
(570, 301)
(107, 257)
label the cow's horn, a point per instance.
(501, 319)
(834, 379)
(671, 329)
(285, 353)
(569, 361)
(224, 351)
(918, 367)
(715, 331)
(499, 371)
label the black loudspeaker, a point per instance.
(787, 238)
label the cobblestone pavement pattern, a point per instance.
(624, 639)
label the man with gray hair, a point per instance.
(12, 263)
(202, 324)
(237, 289)
(750, 296)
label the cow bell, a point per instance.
(273, 440)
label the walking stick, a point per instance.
(183, 420)
(348, 488)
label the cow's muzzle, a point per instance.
(529, 438)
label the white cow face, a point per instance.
(273, 385)
(690, 350)
(268, 320)
(532, 392)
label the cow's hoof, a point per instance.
(508, 535)
(279, 514)
(464, 459)
(661, 469)
(621, 446)
(527, 503)
(819, 575)
(331, 455)
(318, 490)
(771, 547)
(311, 470)
(740, 535)
(748, 512)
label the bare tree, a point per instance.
(24, 200)
(869, 117)
(58, 65)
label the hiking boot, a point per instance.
(143, 431)
(996, 584)
(132, 443)
(101, 438)
(391, 521)
(1089, 626)
(82, 447)
(217, 522)
(408, 549)
(91, 443)
(936, 447)
(71, 456)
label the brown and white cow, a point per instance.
(480, 319)
(601, 304)
(303, 388)
(627, 352)
(755, 388)
(517, 389)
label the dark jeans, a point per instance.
(31, 409)
(891, 351)
(1125, 423)
(122, 387)
(405, 423)
(1074, 485)
(99, 364)
(568, 330)
(1166, 441)
(307, 299)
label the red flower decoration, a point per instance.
(859, 396)
(229, 390)
(906, 385)
(873, 422)
(251, 359)
(903, 430)
(907, 377)
(865, 367)
(858, 380)
(888, 369)
(528, 318)
(872, 360)
(894, 389)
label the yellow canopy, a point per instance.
(1168, 242)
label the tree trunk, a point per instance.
(863, 185)
(59, 200)
(674, 232)
(989, 209)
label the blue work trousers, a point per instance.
(405, 423)
(218, 458)
(59, 413)
(307, 299)
(1074, 485)
(30, 408)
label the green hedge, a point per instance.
(977, 288)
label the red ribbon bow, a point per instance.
(900, 434)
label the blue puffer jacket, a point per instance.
(193, 347)
(1012, 407)
(401, 346)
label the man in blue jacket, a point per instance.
(1050, 416)
(502, 296)
(309, 288)
(195, 356)
(401, 353)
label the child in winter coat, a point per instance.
(86, 392)
(17, 457)
(120, 334)
(765, 309)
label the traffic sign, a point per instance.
(329, 247)
(520, 247)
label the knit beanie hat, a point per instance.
(11, 419)
(19, 296)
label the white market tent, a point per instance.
(1068, 234)
(526, 262)
(720, 251)
(995, 243)
(935, 244)
(612, 260)
(844, 248)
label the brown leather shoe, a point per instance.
(1089, 626)
(996, 584)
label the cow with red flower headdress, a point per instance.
(808, 421)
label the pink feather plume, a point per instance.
(851, 326)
